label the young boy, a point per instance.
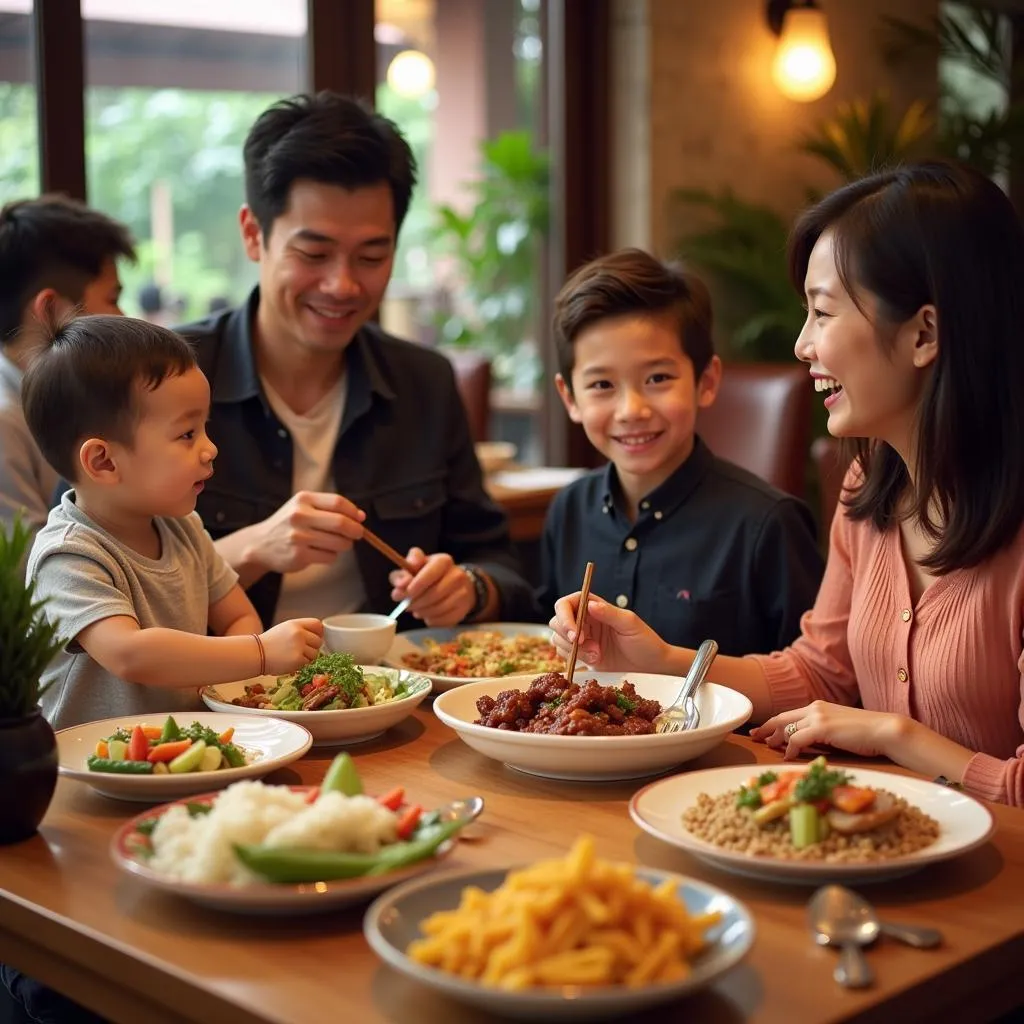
(119, 408)
(56, 255)
(696, 546)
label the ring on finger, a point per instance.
(790, 729)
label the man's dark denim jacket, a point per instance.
(404, 455)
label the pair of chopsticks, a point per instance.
(387, 551)
(581, 615)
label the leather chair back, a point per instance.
(761, 420)
(473, 377)
(831, 467)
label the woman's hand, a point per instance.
(868, 733)
(614, 639)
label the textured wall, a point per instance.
(710, 112)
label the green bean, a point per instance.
(105, 764)
(284, 865)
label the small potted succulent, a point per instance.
(28, 642)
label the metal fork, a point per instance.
(682, 713)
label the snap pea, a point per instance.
(282, 865)
(170, 730)
(234, 757)
(342, 777)
(105, 764)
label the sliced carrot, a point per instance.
(225, 736)
(167, 751)
(138, 745)
(392, 800)
(102, 750)
(852, 799)
(153, 732)
(407, 820)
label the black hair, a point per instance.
(325, 138)
(53, 242)
(83, 382)
(631, 281)
(939, 233)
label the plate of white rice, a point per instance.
(192, 855)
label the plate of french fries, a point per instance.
(576, 937)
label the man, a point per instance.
(56, 256)
(324, 422)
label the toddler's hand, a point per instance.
(292, 644)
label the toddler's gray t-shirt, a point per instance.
(87, 575)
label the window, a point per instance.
(462, 80)
(19, 134)
(172, 89)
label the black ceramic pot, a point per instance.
(28, 774)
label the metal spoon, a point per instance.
(466, 810)
(835, 920)
(913, 935)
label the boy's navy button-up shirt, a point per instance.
(715, 552)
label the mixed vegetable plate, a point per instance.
(169, 749)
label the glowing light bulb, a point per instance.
(411, 73)
(804, 67)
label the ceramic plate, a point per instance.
(596, 758)
(964, 823)
(411, 642)
(258, 897)
(392, 923)
(331, 728)
(268, 744)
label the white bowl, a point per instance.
(494, 455)
(349, 725)
(366, 637)
(595, 758)
(393, 922)
(269, 743)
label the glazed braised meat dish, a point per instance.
(553, 705)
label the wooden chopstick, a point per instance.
(387, 551)
(581, 615)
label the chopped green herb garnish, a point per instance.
(625, 703)
(341, 668)
(552, 704)
(767, 777)
(818, 782)
(506, 667)
(749, 796)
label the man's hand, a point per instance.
(442, 593)
(311, 528)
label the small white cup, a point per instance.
(366, 637)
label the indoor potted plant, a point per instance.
(28, 642)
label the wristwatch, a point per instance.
(480, 591)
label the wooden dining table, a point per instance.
(70, 918)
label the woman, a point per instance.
(915, 338)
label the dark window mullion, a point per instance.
(342, 50)
(60, 82)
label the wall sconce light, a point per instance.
(411, 73)
(804, 67)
